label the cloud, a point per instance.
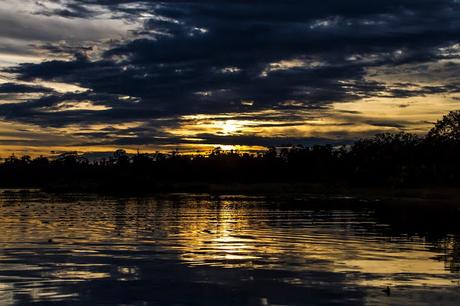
(19, 25)
(232, 57)
(22, 88)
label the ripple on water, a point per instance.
(56, 248)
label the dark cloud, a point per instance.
(22, 88)
(211, 139)
(71, 10)
(212, 57)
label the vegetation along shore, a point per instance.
(390, 161)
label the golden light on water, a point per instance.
(223, 233)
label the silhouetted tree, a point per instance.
(121, 158)
(388, 159)
(446, 129)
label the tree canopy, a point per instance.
(446, 129)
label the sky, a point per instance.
(98, 75)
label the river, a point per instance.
(192, 249)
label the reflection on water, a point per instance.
(202, 250)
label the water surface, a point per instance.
(227, 250)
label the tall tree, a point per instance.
(446, 129)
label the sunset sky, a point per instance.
(97, 75)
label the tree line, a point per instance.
(385, 160)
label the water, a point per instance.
(228, 250)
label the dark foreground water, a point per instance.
(233, 250)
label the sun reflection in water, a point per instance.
(122, 239)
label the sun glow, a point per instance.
(230, 126)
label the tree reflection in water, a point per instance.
(230, 250)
